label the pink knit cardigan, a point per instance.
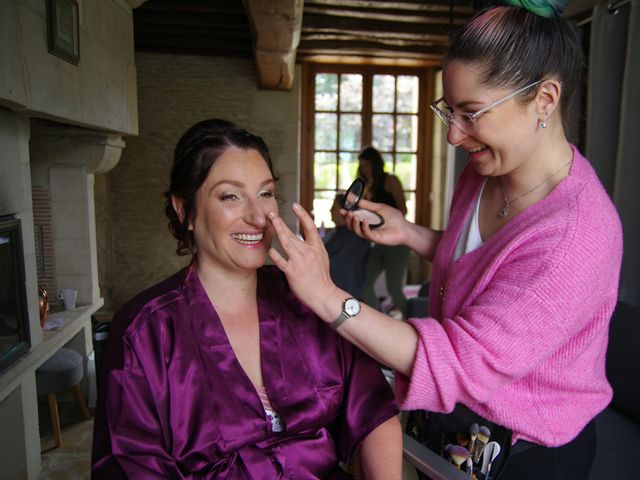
(519, 326)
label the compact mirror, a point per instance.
(352, 199)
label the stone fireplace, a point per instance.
(60, 124)
(57, 162)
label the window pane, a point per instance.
(351, 93)
(382, 134)
(406, 165)
(326, 91)
(383, 93)
(407, 133)
(326, 131)
(322, 202)
(324, 170)
(388, 162)
(348, 169)
(350, 131)
(407, 94)
(410, 198)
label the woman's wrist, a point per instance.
(423, 240)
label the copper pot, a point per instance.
(44, 305)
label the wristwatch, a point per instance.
(350, 308)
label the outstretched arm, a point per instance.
(396, 230)
(390, 341)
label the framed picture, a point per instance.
(63, 29)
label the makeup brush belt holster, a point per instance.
(436, 430)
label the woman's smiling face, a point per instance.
(230, 223)
(500, 139)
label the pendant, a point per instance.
(503, 211)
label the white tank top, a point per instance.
(470, 238)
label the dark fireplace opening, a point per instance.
(14, 317)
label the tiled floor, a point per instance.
(71, 461)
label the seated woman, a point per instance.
(220, 371)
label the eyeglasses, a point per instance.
(466, 122)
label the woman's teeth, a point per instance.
(477, 149)
(247, 238)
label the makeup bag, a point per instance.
(439, 431)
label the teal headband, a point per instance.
(542, 8)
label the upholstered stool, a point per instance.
(62, 371)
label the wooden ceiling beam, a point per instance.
(276, 27)
(394, 15)
(323, 22)
(414, 5)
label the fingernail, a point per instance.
(271, 215)
(296, 205)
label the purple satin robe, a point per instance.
(177, 404)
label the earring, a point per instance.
(543, 125)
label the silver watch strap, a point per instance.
(340, 320)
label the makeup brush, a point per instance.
(463, 438)
(458, 454)
(483, 437)
(491, 451)
(473, 434)
(495, 451)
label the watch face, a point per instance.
(351, 306)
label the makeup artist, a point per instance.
(525, 276)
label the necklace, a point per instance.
(504, 211)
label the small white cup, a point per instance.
(68, 297)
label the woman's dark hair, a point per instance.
(514, 47)
(373, 156)
(196, 152)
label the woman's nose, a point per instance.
(255, 214)
(455, 135)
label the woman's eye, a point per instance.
(228, 196)
(267, 194)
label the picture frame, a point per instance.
(63, 32)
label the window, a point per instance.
(348, 108)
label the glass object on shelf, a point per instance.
(383, 93)
(326, 131)
(326, 91)
(350, 131)
(324, 170)
(351, 93)
(382, 126)
(406, 133)
(407, 91)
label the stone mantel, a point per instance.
(56, 145)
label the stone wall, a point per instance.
(135, 249)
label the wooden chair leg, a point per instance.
(55, 419)
(77, 391)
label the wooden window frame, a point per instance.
(425, 127)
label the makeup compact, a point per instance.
(351, 200)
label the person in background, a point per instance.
(219, 371)
(347, 252)
(525, 275)
(382, 187)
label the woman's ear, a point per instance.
(178, 207)
(548, 97)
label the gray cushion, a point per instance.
(60, 372)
